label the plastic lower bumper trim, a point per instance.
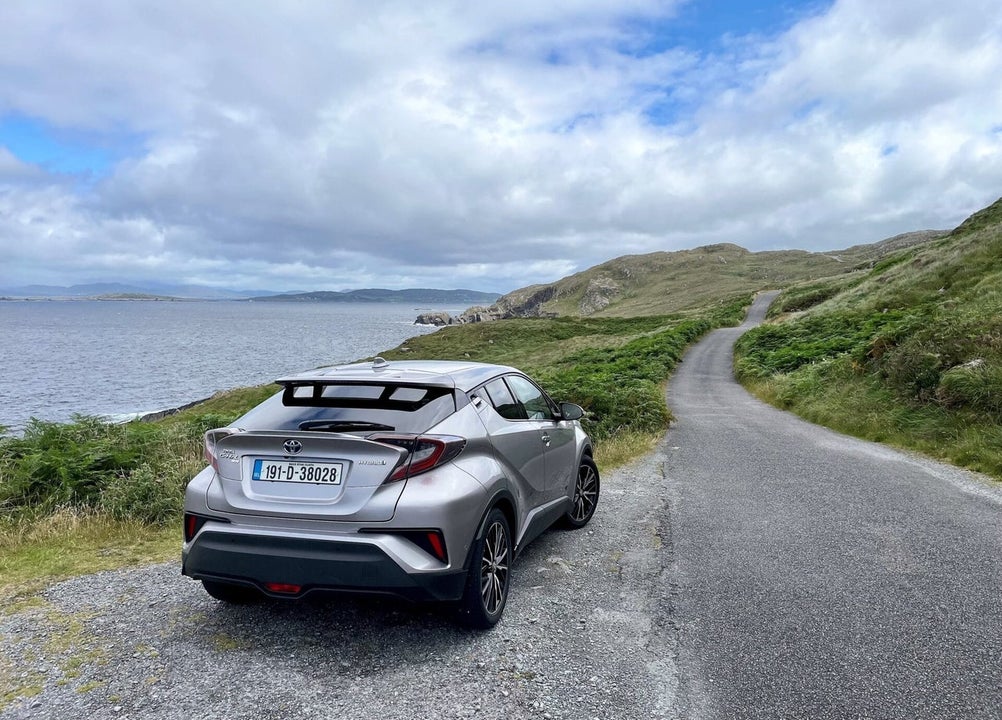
(315, 565)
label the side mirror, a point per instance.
(570, 411)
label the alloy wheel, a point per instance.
(585, 493)
(494, 568)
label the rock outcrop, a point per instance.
(600, 292)
(435, 318)
(527, 302)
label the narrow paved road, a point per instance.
(817, 576)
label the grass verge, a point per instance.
(67, 542)
(908, 352)
(866, 409)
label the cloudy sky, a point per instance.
(337, 144)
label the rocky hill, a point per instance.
(667, 282)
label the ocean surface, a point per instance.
(122, 358)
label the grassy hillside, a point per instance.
(671, 282)
(907, 352)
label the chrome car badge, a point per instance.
(292, 447)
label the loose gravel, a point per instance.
(579, 639)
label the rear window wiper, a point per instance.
(342, 425)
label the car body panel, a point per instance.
(362, 534)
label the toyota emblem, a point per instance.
(292, 447)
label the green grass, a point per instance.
(66, 543)
(909, 353)
(613, 367)
(131, 471)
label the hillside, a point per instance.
(669, 282)
(908, 352)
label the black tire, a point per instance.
(489, 575)
(585, 498)
(233, 594)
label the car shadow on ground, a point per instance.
(362, 635)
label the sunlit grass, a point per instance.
(624, 448)
(67, 542)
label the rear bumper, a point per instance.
(316, 565)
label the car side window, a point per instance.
(502, 400)
(532, 398)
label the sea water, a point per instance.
(127, 358)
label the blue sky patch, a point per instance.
(703, 26)
(60, 150)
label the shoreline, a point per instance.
(167, 412)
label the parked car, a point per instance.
(421, 479)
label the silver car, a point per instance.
(421, 479)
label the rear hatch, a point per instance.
(309, 475)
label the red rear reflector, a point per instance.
(435, 540)
(284, 588)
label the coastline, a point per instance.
(167, 412)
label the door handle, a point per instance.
(545, 438)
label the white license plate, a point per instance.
(298, 472)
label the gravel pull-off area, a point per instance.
(579, 639)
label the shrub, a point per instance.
(620, 388)
(131, 470)
(782, 348)
(976, 384)
(143, 494)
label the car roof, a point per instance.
(459, 374)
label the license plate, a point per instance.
(298, 472)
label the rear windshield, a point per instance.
(405, 408)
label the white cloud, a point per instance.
(347, 144)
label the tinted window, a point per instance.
(531, 397)
(503, 401)
(404, 408)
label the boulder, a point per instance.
(434, 318)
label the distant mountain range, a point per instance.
(411, 295)
(193, 292)
(202, 292)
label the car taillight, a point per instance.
(424, 452)
(212, 439)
